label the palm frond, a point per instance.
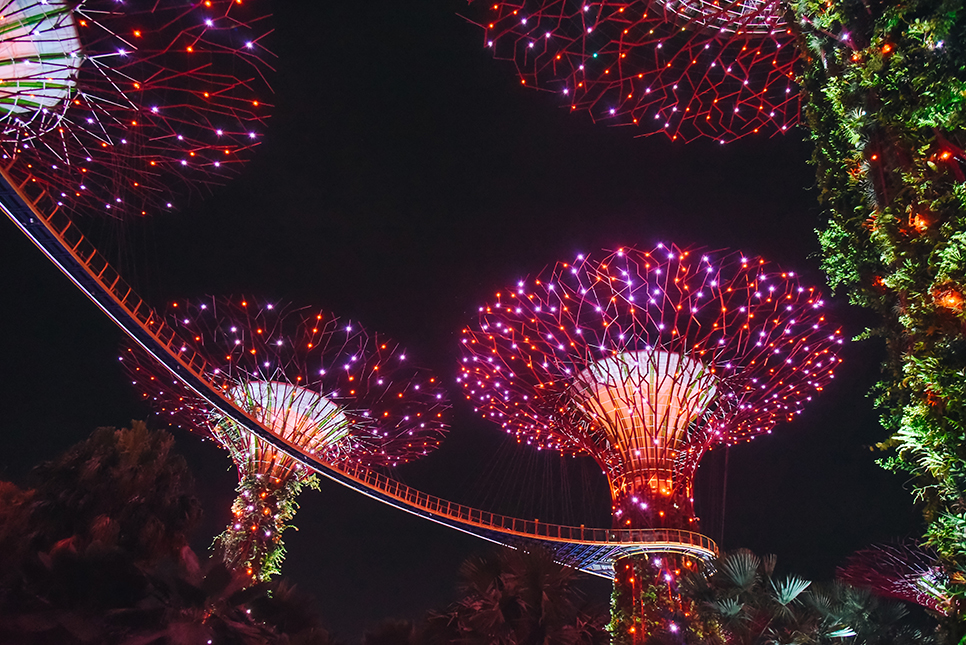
(788, 590)
(768, 563)
(740, 569)
(728, 608)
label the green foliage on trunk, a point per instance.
(252, 543)
(885, 89)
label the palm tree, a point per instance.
(516, 597)
(741, 601)
(124, 487)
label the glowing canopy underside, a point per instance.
(645, 402)
(742, 17)
(39, 57)
(298, 415)
(646, 398)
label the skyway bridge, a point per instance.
(592, 550)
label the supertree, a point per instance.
(688, 68)
(108, 106)
(886, 113)
(324, 385)
(904, 571)
(643, 361)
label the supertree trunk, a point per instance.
(252, 542)
(646, 602)
(885, 88)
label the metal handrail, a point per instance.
(518, 526)
(85, 255)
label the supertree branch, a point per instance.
(110, 107)
(687, 68)
(322, 384)
(903, 571)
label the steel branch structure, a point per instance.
(687, 68)
(344, 396)
(904, 571)
(112, 106)
(643, 360)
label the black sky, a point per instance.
(405, 176)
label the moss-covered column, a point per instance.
(647, 603)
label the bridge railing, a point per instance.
(521, 527)
(74, 242)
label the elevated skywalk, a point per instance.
(592, 550)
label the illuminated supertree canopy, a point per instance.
(645, 359)
(904, 571)
(113, 106)
(324, 385)
(688, 68)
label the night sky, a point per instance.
(404, 177)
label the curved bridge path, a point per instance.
(592, 550)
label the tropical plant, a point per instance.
(123, 487)
(97, 552)
(741, 594)
(885, 89)
(516, 597)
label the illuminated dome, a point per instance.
(749, 17)
(39, 58)
(299, 415)
(645, 402)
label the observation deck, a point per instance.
(592, 550)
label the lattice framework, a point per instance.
(735, 346)
(112, 106)
(688, 68)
